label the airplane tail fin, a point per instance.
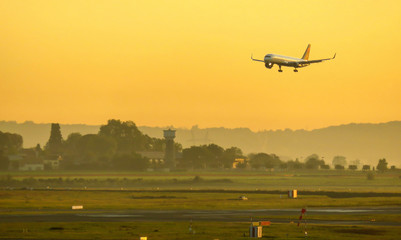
(306, 54)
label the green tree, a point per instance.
(3, 161)
(38, 151)
(55, 143)
(339, 167)
(382, 165)
(10, 143)
(339, 160)
(95, 149)
(295, 164)
(356, 162)
(352, 167)
(130, 162)
(216, 156)
(313, 162)
(72, 142)
(264, 160)
(325, 166)
(284, 165)
(199, 157)
(366, 167)
(177, 147)
(190, 157)
(370, 175)
(229, 155)
(71, 154)
(127, 136)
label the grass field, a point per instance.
(352, 181)
(41, 192)
(180, 230)
(173, 200)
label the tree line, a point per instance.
(10, 143)
(118, 146)
(115, 147)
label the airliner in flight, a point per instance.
(271, 59)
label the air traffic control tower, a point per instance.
(169, 156)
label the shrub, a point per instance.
(325, 166)
(197, 179)
(339, 167)
(352, 167)
(366, 167)
(370, 176)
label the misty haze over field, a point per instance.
(365, 142)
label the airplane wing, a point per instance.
(319, 60)
(256, 59)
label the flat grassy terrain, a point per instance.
(332, 180)
(180, 230)
(55, 192)
(176, 200)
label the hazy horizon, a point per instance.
(200, 127)
(367, 142)
(181, 63)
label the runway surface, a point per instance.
(273, 215)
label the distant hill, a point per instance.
(366, 142)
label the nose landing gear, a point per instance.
(295, 70)
(279, 70)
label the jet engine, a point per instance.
(269, 65)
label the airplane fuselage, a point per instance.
(271, 59)
(280, 60)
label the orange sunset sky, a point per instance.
(182, 63)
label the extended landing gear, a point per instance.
(295, 70)
(279, 70)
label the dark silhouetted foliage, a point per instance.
(325, 166)
(339, 160)
(264, 160)
(339, 167)
(3, 161)
(55, 143)
(382, 165)
(295, 164)
(370, 175)
(314, 162)
(126, 135)
(366, 167)
(134, 162)
(209, 156)
(229, 155)
(10, 143)
(352, 167)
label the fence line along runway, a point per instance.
(273, 215)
